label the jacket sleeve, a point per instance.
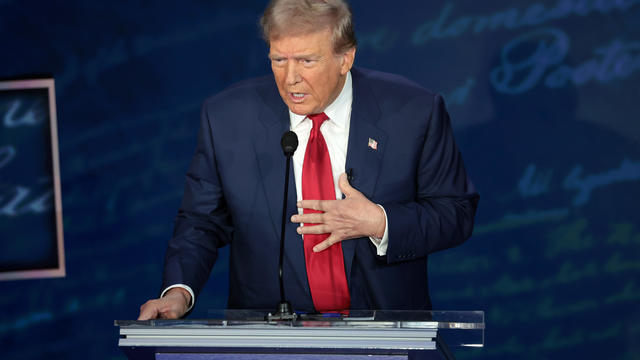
(203, 223)
(442, 213)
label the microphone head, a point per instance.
(289, 143)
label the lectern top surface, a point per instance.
(254, 328)
(367, 318)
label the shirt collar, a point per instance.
(338, 111)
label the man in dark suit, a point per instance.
(364, 248)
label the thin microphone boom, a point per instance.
(286, 148)
(289, 145)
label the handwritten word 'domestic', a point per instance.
(512, 18)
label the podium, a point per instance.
(247, 334)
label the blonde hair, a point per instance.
(288, 17)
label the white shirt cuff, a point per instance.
(191, 302)
(381, 244)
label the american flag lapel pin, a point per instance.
(373, 144)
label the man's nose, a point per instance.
(293, 75)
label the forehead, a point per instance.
(315, 42)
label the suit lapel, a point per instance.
(274, 121)
(271, 164)
(362, 159)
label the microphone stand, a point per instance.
(284, 310)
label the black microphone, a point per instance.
(289, 143)
(350, 175)
(284, 311)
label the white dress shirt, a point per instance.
(335, 131)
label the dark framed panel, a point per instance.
(31, 244)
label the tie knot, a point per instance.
(318, 119)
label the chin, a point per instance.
(300, 110)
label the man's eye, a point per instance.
(278, 61)
(308, 61)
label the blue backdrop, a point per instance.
(544, 100)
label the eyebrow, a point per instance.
(298, 57)
(310, 57)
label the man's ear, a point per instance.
(347, 60)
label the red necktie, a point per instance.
(325, 269)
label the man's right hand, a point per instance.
(173, 305)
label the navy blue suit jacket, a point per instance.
(234, 188)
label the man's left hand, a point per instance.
(353, 217)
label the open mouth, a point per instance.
(297, 97)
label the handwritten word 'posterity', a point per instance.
(534, 15)
(541, 52)
(30, 117)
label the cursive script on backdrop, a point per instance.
(518, 72)
(512, 18)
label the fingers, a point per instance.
(171, 306)
(319, 205)
(326, 243)
(313, 229)
(148, 310)
(345, 187)
(315, 218)
(170, 314)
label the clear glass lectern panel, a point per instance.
(457, 328)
